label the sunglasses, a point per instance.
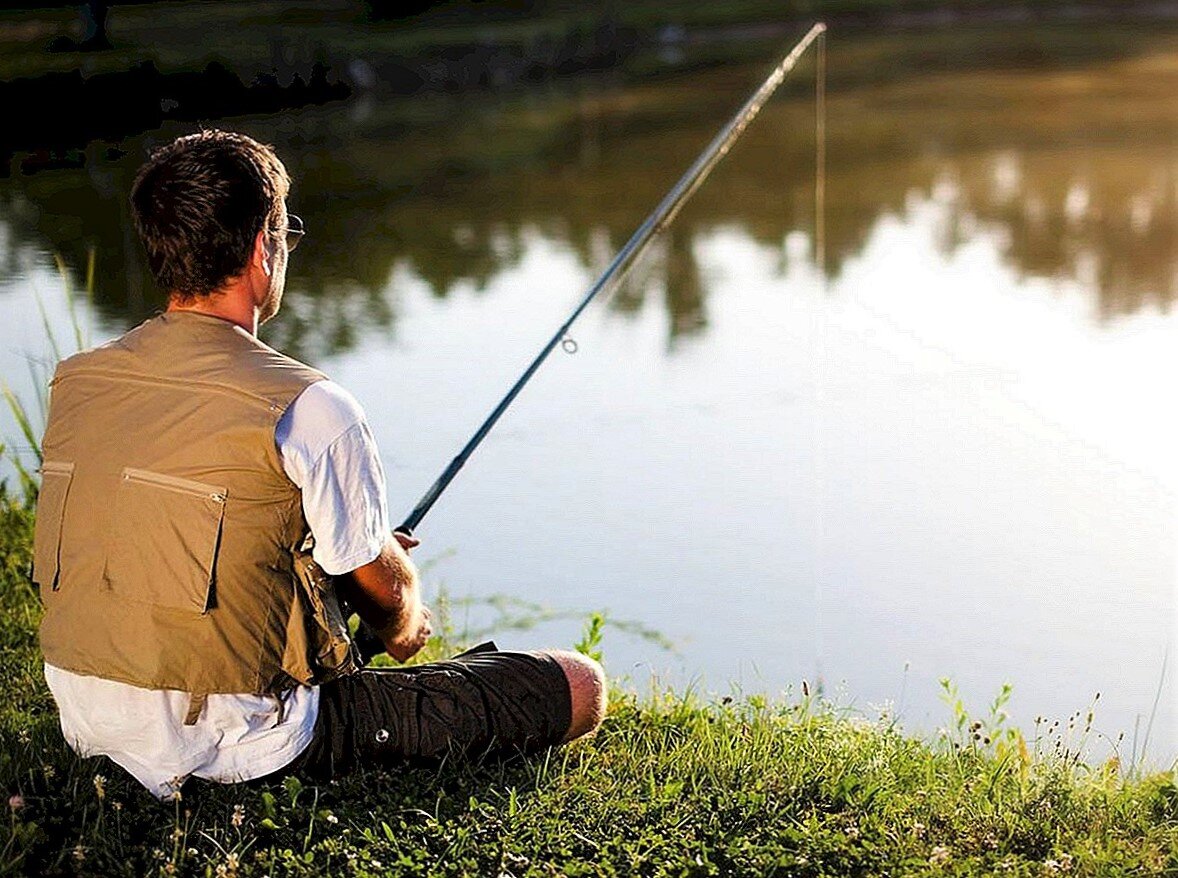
(294, 231)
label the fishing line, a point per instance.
(820, 158)
(819, 330)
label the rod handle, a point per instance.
(368, 644)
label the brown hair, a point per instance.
(199, 203)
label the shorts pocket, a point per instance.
(165, 535)
(55, 487)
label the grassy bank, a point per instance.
(668, 787)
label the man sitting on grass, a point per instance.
(203, 499)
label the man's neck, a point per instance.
(228, 304)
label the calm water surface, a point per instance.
(950, 454)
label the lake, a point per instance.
(943, 449)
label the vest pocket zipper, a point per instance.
(175, 483)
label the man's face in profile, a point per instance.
(278, 261)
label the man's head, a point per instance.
(206, 206)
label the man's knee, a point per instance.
(587, 688)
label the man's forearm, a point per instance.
(387, 595)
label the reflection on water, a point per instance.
(1075, 165)
(949, 454)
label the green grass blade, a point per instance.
(30, 487)
(91, 261)
(22, 419)
(39, 388)
(50, 336)
(75, 323)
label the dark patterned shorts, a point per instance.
(482, 702)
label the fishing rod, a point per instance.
(613, 276)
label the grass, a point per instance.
(669, 786)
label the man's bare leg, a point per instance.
(587, 688)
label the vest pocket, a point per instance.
(166, 532)
(55, 487)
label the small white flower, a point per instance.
(940, 856)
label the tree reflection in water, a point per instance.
(1070, 165)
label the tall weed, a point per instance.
(30, 420)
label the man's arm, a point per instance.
(329, 452)
(387, 595)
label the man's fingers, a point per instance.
(406, 541)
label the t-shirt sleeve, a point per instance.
(328, 451)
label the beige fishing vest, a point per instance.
(170, 545)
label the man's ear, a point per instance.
(263, 255)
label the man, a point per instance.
(204, 496)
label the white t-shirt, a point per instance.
(328, 451)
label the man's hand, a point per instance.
(386, 594)
(404, 647)
(406, 541)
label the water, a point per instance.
(949, 455)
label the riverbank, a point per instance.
(670, 786)
(459, 45)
